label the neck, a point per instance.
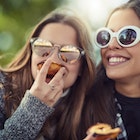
(128, 89)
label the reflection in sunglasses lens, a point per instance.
(103, 38)
(127, 36)
(69, 53)
(42, 50)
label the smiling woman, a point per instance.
(118, 75)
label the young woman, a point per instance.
(117, 86)
(34, 105)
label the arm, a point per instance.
(27, 120)
(37, 104)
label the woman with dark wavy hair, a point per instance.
(36, 105)
(115, 96)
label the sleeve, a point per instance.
(2, 113)
(27, 120)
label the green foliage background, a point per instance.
(17, 17)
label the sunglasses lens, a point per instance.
(42, 48)
(127, 36)
(103, 38)
(66, 53)
(69, 54)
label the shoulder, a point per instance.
(2, 90)
(2, 82)
(2, 77)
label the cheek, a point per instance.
(75, 70)
(34, 62)
(102, 53)
(73, 73)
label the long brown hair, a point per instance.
(67, 115)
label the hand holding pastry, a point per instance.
(53, 69)
(102, 131)
(49, 84)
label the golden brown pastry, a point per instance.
(53, 69)
(39, 66)
(104, 131)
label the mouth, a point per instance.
(49, 76)
(116, 60)
(53, 69)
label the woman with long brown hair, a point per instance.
(115, 97)
(36, 105)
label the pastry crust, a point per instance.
(39, 66)
(53, 69)
(104, 130)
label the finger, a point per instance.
(44, 70)
(54, 95)
(56, 98)
(101, 137)
(57, 88)
(59, 75)
(89, 137)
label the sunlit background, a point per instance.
(96, 12)
(17, 17)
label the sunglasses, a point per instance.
(66, 53)
(127, 36)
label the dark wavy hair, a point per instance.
(100, 101)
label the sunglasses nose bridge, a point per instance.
(57, 46)
(55, 53)
(114, 34)
(113, 43)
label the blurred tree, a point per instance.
(16, 19)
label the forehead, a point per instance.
(123, 18)
(59, 33)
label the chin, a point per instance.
(113, 75)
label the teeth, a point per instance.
(116, 59)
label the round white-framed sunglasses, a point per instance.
(66, 53)
(127, 36)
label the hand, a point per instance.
(89, 137)
(98, 137)
(50, 92)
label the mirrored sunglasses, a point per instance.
(66, 53)
(127, 36)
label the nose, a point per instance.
(54, 55)
(114, 44)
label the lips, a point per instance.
(53, 69)
(117, 59)
(114, 60)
